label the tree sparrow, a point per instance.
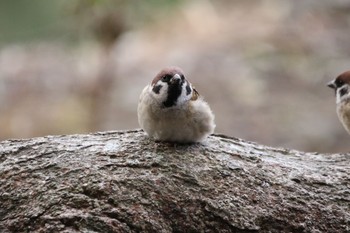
(170, 109)
(341, 85)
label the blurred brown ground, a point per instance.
(261, 65)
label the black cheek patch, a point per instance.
(188, 89)
(343, 91)
(156, 89)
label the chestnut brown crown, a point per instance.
(341, 80)
(169, 71)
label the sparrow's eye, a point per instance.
(339, 82)
(166, 78)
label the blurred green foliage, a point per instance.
(28, 20)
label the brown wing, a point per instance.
(195, 94)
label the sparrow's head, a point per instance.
(170, 88)
(341, 86)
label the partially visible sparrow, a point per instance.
(341, 85)
(170, 109)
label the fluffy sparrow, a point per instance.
(170, 109)
(341, 85)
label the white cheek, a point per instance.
(341, 98)
(162, 95)
(184, 97)
(337, 96)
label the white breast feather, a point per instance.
(343, 111)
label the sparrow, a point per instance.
(170, 109)
(341, 85)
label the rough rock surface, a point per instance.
(122, 181)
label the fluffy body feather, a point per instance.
(170, 109)
(343, 111)
(341, 85)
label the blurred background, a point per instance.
(78, 66)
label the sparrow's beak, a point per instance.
(175, 79)
(332, 85)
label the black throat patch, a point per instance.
(174, 91)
